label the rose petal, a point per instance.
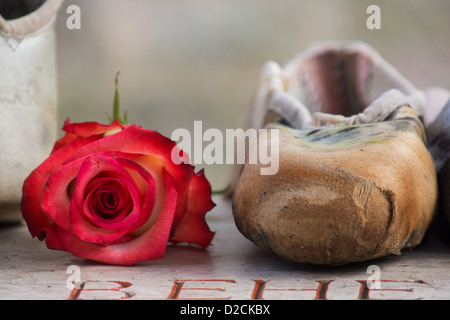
(150, 200)
(150, 245)
(86, 129)
(55, 196)
(51, 239)
(152, 190)
(154, 166)
(105, 154)
(193, 227)
(134, 139)
(36, 219)
(112, 217)
(90, 228)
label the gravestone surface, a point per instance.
(231, 268)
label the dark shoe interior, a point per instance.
(336, 80)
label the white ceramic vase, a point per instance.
(28, 95)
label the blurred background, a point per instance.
(182, 61)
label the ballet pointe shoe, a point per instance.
(355, 179)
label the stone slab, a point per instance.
(232, 268)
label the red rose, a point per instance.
(111, 193)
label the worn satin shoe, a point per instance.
(355, 180)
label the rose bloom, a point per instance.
(111, 193)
